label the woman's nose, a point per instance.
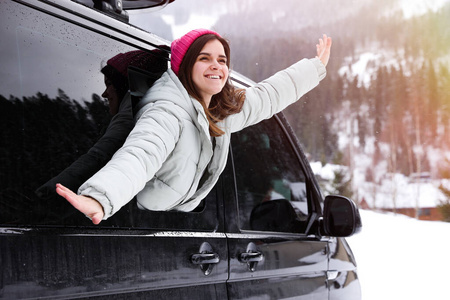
(105, 94)
(216, 65)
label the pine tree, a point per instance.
(444, 206)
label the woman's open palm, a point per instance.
(87, 205)
(324, 49)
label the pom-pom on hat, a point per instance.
(180, 46)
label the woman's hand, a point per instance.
(87, 205)
(323, 49)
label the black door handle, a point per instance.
(252, 257)
(206, 258)
(247, 257)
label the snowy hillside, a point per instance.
(401, 258)
(404, 191)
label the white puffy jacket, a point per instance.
(169, 149)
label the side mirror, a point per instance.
(341, 217)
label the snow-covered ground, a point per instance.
(402, 258)
(398, 257)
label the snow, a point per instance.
(413, 8)
(389, 188)
(401, 258)
(325, 172)
(398, 257)
(405, 194)
(361, 67)
(365, 65)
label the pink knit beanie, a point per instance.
(180, 46)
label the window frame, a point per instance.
(314, 195)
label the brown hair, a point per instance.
(228, 102)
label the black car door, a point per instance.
(271, 218)
(136, 254)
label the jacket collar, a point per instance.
(191, 105)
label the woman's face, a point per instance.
(110, 93)
(210, 71)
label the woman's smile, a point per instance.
(213, 76)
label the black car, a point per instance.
(264, 232)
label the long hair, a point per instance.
(227, 102)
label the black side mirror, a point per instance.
(341, 217)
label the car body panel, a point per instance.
(63, 263)
(290, 268)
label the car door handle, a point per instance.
(251, 257)
(247, 257)
(205, 258)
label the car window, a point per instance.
(51, 113)
(271, 185)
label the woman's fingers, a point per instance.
(87, 205)
(323, 49)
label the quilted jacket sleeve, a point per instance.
(149, 144)
(277, 92)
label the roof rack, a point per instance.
(117, 8)
(113, 8)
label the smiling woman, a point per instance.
(179, 147)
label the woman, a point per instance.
(178, 148)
